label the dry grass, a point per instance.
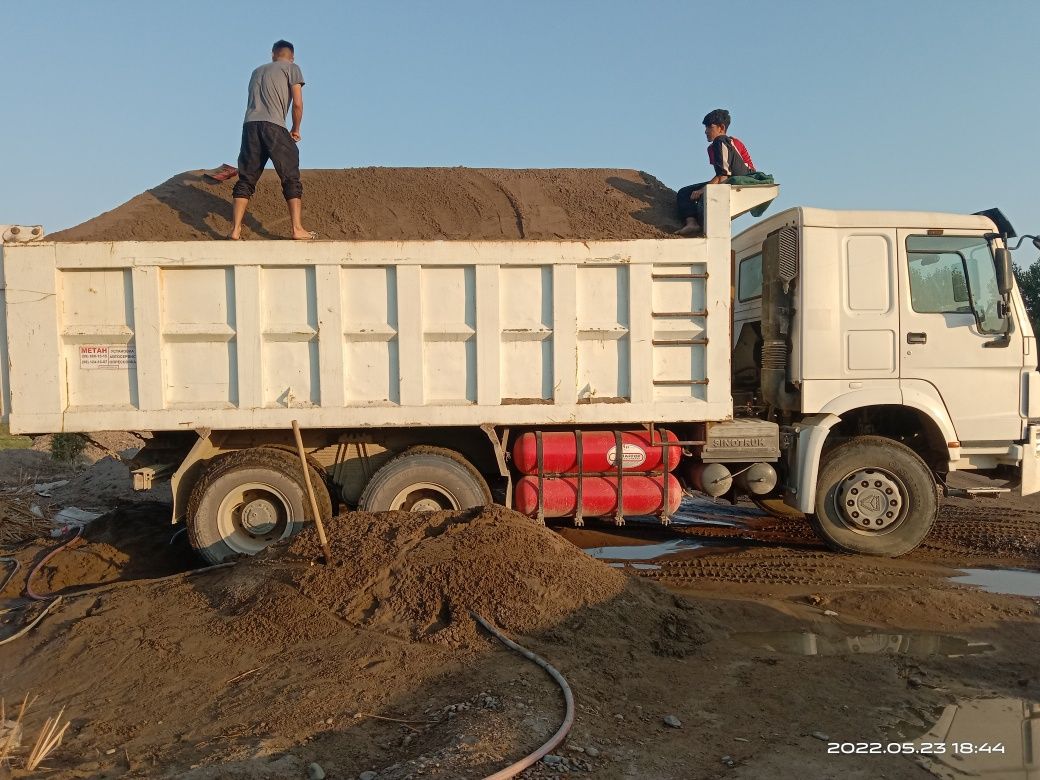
(47, 740)
(18, 522)
(14, 735)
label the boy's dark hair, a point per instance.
(283, 44)
(719, 116)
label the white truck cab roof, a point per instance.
(806, 216)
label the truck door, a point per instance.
(955, 335)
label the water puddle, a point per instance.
(642, 556)
(643, 543)
(1012, 582)
(697, 510)
(912, 644)
(703, 511)
(998, 737)
(644, 552)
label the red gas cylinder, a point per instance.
(599, 448)
(599, 496)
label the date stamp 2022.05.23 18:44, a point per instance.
(917, 748)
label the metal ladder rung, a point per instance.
(699, 342)
(680, 315)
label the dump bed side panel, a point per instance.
(161, 336)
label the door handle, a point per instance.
(916, 338)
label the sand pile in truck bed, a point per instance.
(417, 576)
(404, 203)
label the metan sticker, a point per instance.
(107, 356)
(631, 455)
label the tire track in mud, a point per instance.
(791, 532)
(786, 553)
(787, 568)
(967, 534)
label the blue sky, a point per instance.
(916, 104)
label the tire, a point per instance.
(874, 496)
(269, 482)
(774, 506)
(318, 473)
(425, 479)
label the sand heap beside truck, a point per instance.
(564, 378)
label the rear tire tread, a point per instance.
(389, 469)
(273, 458)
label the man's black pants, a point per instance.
(263, 141)
(690, 208)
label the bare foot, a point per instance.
(689, 230)
(234, 236)
(304, 235)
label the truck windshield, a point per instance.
(955, 275)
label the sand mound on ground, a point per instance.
(417, 576)
(282, 655)
(404, 203)
(135, 541)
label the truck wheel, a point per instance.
(874, 496)
(318, 473)
(425, 479)
(250, 499)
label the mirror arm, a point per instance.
(1034, 239)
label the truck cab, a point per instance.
(893, 348)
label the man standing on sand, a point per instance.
(727, 155)
(272, 88)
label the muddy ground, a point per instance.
(765, 647)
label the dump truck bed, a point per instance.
(247, 335)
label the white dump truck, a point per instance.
(837, 364)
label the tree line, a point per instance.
(1029, 286)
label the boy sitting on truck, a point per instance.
(727, 155)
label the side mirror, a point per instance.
(1005, 274)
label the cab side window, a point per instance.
(954, 275)
(749, 278)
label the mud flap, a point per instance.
(804, 460)
(1031, 462)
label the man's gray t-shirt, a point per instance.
(270, 91)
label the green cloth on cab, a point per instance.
(751, 180)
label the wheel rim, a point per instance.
(252, 516)
(425, 497)
(871, 501)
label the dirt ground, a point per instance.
(404, 204)
(764, 647)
